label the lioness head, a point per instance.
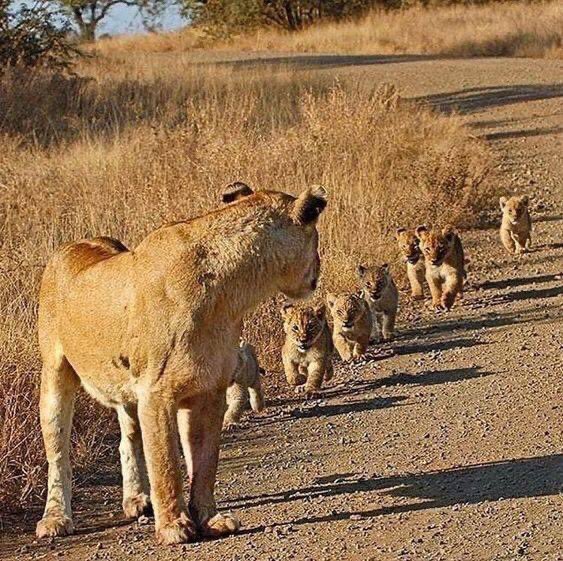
(514, 207)
(408, 245)
(303, 324)
(374, 279)
(297, 224)
(346, 309)
(436, 246)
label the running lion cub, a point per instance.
(352, 324)
(516, 226)
(246, 385)
(382, 297)
(307, 351)
(445, 264)
(412, 256)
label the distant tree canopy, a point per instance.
(33, 35)
(226, 16)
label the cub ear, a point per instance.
(502, 201)
(330, 299)
(399, 231)
(449, 232)
(362, 269)
(385, 267)
(421, 231)
(285, 309)
(320, 310)
(309, 205)
(525, 200)
(236, 191)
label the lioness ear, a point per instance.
(309, 205)
(320, 310)
(361, 271)
(236, 191)
(502, 201)
(525, 200)
(399, 231)
(330, 299)
(421, 231)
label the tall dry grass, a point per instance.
(517, 29)
(131, 145)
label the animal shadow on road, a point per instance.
(507, 479)
(517, 281)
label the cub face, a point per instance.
(435, 246)
(374, 280)
(514, 208)
(346, 309)
(303, 324)
(409, 247)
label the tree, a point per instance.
(87, 14)
(33, 35)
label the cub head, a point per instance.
(434, 245)
(514, 207)
(346, 309)
(291, 221)
(408, 245)
(374, 280)
(303, 324)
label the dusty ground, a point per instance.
(450, 449)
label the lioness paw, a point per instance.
(137, 505)
(220, 525)
(181, 530)
(53, 525)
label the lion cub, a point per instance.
(382, 297)
(352, 323)
(445, 264)
(246, 385)
(516, 226)
(307, 351)
(411, 255)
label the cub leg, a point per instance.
(315, 377)
(388, 325)
(507, 241)
(329, 371)
(256, 396)
(136, 489)
(200, 433)
(416, 279)
(58, 390)
(159, 426)
(435, 285)
(292, 374)
(376, 326)
(453, 286)
(343, 347)
(237, 398)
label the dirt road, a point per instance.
(450, 449)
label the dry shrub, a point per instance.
(126, 151)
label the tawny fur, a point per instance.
(154, 333)
(352, 323)
(516, 225)
(246, 387)
(307, 350)
(412, 256)
(445, 264)
(382, 297)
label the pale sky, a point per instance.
(123, 19)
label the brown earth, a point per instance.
(451, 448)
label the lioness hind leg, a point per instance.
(200, 433)
(157, 415)
(136, 489)
(58, 390)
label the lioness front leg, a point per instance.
(136, 489)
(200, 433)
(58, 389)
(159, 427)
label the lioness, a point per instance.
(307, 351)
(411, 255)
(516, 226)
(445, 264)
(352, 322)
(153, 333)
(246, 385)
(382, 297)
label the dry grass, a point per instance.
(137, 144)
(496, 29)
